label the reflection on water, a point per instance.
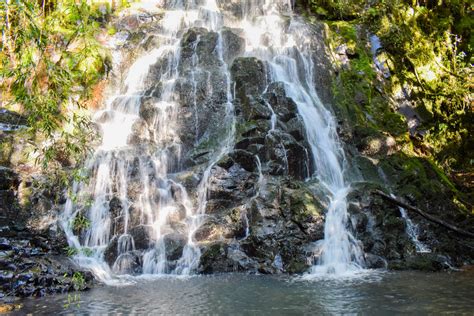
(387, 293)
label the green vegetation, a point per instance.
(427, 47)
(81, 222)
(50, 61)
(430, 50)
(79, 284)
(71, 251)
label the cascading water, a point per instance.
(146, 164)
(286, 47)
(137, 209)
(413, 231)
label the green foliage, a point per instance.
(430, 51)
(336, 9)
(81, 222)
(50, 58)
(428, 47)
(88, 252)
(78, 280)
(72, 300)
(71, 251)
(357, 98)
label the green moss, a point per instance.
(111, 30)
(6, 150)
(357, 100)
(346, 30)
(428, 49)
(441, 175)
(243, 127)
(301, 203)
(296, 266)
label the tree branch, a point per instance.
(424, 214)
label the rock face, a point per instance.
(263, 211)
(32, 265)
(261, 217)
(33, 260)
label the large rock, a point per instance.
(231, 186)
(222, 257)
(249, 75)
(174, 244)
(9, 179)
(285, 108)
(142, 236)
(233, 44)
(287, 156)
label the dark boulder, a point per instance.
(245, 159)
(9, 180)
(249, 75)
(174, 244)
(142, 236)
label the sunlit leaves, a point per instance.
(49, 55)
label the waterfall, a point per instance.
(286, 47)
(136, 209)
(119, 161)
(413, 231)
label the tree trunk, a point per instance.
(424, 214)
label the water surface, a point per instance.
(376, 293)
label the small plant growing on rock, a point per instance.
(78, 281)
(88, 252)
(81, 222)
(71, 251)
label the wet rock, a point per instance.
(375, 262)
(244, 159)
(255, 109)
(368, 168)
(233, 185)
(148, 109)
(6, 278)
(226, 162)
(241, 261)
(215, 258)
(285, 108)
(128, 263)
(210, 230)
(174, 244)
(5, 244)
(139, 134)
(111, 252)
(359, 222)
(8, 179)
(12, 118)
(8, 208)
(141, 236)
(422, 262)
(248, 73)
(178, 214)
(115, 206)
(30, 271)
(249, 142)
(305, 210)
(233, 7)
(287, 155)
(234, 45)
(295, 128)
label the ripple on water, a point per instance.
(373, 293)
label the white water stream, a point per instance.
(120, 166)
(413, 231)
(286, 47)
